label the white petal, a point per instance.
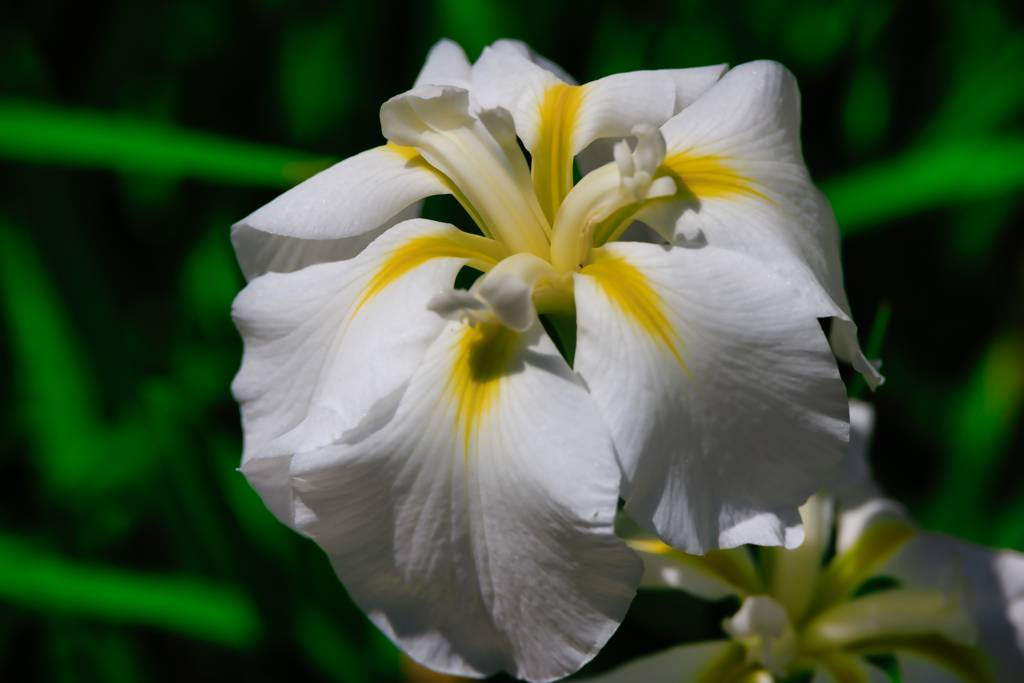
(716, 575)
(689, 84)
(895, 613)
(614, 105)
(481, 157)
(915, 668)
(692, 83)
(504, 77)
(446, 65)
(737, 157)
(852, 483)
(854, 522)
(263, 252)
(793, 574)
(523, 50)
(859, 501)
(846, 347)
(996, 580)
(638, 232)
(721, 393)
(323, 344)
(610, 106)
(556, 121)
(476, 528)
(351, 198)
(685, 664)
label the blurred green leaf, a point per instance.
(939, 175)
(189, 29)
(816, 30)
(45, 134)
(980, 424)
(210, 278)
(327, 646)
(622, 44)
(975, 230)
(166, 405)
(472, 24)
(257, 522)
(87, 652)
(986, 88)
(79, 455)
(190, 606)
(866, 113)
(317, 79)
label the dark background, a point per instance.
(133, 134)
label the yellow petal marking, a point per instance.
(415, 160)
(733, 566)
(483, 358)
(552, 156)
(481, 252)
(706, 177)
(629, 290)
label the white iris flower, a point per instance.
(943, 609)
(461, 476)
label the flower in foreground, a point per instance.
(942, 609)
(462, 476)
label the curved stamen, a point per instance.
(599, 207)
(763, 627)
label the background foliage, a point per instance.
(133, 134)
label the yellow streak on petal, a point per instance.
(727, 565)
(552, 156)
(483, 358)
(418, 251)
(414, 160)
(629, 289)
(706, 177)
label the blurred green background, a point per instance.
(133, 134)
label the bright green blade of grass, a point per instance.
(190, 606)
(45, 134)
(936, 176)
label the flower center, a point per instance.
(480, 156)
(762, 627)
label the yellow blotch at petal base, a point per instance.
(706, 177)
(552, 156)
(481, 252)
(484, 356)
(629, 290)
